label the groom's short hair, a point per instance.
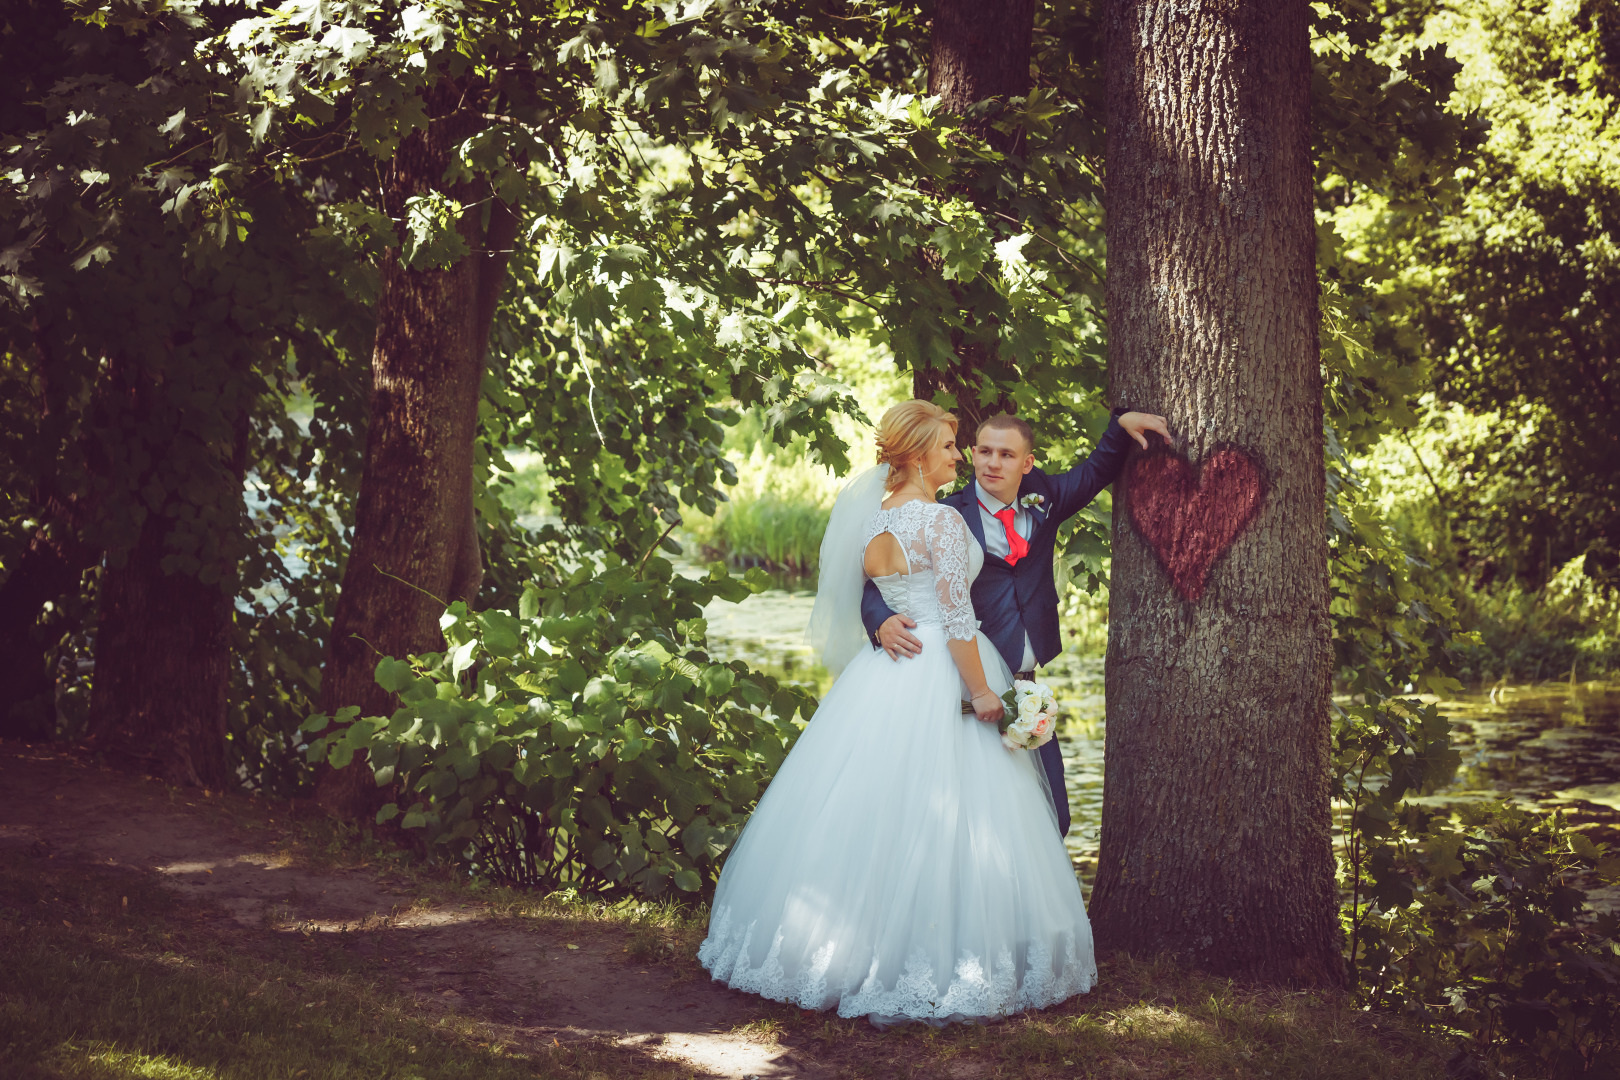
(1007, 421)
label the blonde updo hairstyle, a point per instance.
(907, 432)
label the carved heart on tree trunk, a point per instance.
(1189, 518)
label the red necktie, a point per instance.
(1017, 546)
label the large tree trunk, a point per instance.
(164, 626)
(414, 533)
(163, 648)
(979, 51)
(1215, 831)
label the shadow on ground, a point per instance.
(151, 932)
(540, 981)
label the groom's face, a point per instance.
(1001, 457)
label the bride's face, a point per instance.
(938, 466)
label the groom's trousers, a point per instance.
(1052, 764)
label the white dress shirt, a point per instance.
(995, 543)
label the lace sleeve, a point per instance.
(946, 535)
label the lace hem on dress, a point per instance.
(974, 993)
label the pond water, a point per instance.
(1554, 744)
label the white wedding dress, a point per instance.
(903, 864)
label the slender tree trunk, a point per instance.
(48, 570)
(166, 604)
(979, 50)
(415, 535)
(1215, 832)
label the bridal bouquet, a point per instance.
(1031, 716)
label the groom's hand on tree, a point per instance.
(895, 638)
(1137, 423)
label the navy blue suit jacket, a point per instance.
(1010, 601)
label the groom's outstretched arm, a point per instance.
(1074, 489)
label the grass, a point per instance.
(774, 517)
(1143, 1020)
(103, 975)
(106, 977)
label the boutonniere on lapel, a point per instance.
(1033, 502)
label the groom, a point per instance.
(1013, 510)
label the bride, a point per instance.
(903, 864)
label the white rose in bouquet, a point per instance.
(1036, 709)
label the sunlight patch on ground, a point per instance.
(417, 919)
(725, 1055)
(188, 868)
(1154, 1020)
(422, 917)
(105, 1062)
(261, 860)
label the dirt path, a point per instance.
(538, 980)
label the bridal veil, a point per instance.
(836, 632)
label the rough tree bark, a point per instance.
(415, 534)
(1215, 830)
(162, 668)
(978, 51)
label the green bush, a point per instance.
(1571, 625)
(1538, 613)
(575, 741)
(1476, 926)
(1474, 920)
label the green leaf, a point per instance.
(717, 680)
(503, 634)
(394, 675)
(462, 657)
(572, 676)
(1582, 845)
(432, 240)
